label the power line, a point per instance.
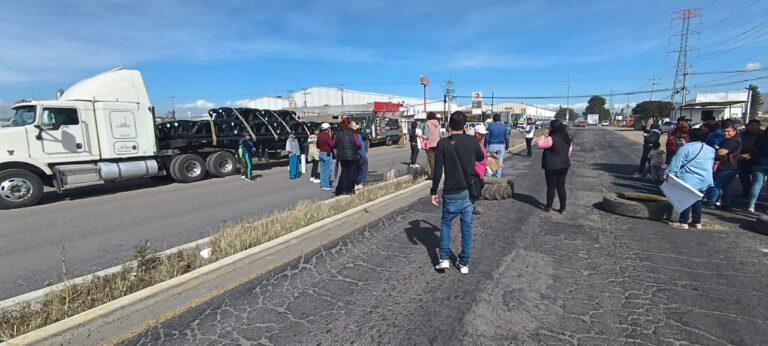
(637, 92)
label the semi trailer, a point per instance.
(103, 130)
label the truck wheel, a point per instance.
(19, 188)
(389, 141)
(188, 168)
(221, 164)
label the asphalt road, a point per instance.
(587, 277)
(101, 225)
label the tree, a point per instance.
(756, 103)
(653, 109)
(596, 105)
(566, 113)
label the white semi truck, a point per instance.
(100, 130)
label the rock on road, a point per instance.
(587, 277)
(101, 225)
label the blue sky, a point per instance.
(219, 52)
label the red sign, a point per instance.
(386, 106)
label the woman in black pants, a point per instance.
(556, 161)
(347, 153)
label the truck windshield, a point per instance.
(23, 116)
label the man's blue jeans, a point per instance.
(758, 177)
(723, 180)
(325, 170)
(498, 150)
(453, 206)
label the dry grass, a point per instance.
(151, 269)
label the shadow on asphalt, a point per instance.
(618, 169)
(529, 200)
(424, 233)
(104, 189)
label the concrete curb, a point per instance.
(124, 317)
(35, 297)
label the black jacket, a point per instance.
(468, 152)
(346, 149)
(557, 156)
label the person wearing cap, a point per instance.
(529, 130)
(652, 135)
(325, 143)
(294, 154)
(245, 149)
(313, 155)
(479, 131)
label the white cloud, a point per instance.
(199, 104)
(753, 66)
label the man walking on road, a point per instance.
(497, 141)
(456, 154)
(325, 144)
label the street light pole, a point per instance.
(424, 80)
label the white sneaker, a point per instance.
(698, 226)
(678, 225)
(462, 269)
(443, 264)
(316, 181)
(416, 165)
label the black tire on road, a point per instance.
(19, 188)
(188, 168)
(221, 164)
(388, 141)
(638, 205)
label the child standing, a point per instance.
(657, 158)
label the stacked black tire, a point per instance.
(498, 188)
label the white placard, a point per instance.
(680, 194)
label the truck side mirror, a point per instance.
(39, 135)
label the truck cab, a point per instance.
(100, 130)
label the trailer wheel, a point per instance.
(221, 164)
(188, 168)
(389, 141)
(19, 188)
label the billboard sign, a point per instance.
(477, 103)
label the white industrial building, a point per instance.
(523, 109)
(340, 99)
(721, 105)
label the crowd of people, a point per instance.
(711, 158)
(347, 147)
(462, 160)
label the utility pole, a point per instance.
(341, 88)
(681, 67)
(749, 104)
(568, 98)
(610, 105)
(424, 81)
(653, 86)
(449, 91)
(492, 110)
